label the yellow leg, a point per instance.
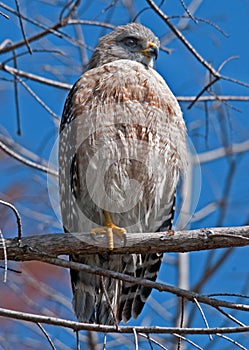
(109, 229)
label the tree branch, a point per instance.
(35, 77)
(26, 161)
(84, 243)
(37, 248)
(65, 86)
(113, 329)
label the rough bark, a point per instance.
(173, 241)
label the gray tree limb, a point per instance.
(113, 329)
(28, 248)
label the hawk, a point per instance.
(122, 149)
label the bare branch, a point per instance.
(4, 15)
(151, 340)
(46, 335)
(188, 11)
(5, 257)
(26, 161)
(17, 104)
(32, 38)
(80, 243)
(91, 23)
(17, 215)
(188, 341)
(22, 27)
(113, 329)
(35, 77)
(216, 76)
(184, 40)
(203, 316)
(66, 86)
(232, 341)
(205, 88)
(135, 338)
(38, 99)
(222, 152)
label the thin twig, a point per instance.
(23, 53)
(189, 295)
(188, 341)
(80, 37)
(5, 257)
(26, 161)
(18, 117)
(217, 153)
(183, 39)
(213, 98)
(35, 77)
(108, 300)
(104, 341)
(22, 27)
(236, 81)
(66, 86)
(71, 6)
(230, 177)
(228, 295)
(51, 30)
(77, 340)
(10, 269)
(232, 341)
(28, 19)
(182, 304)
(91, 23)
(135, 338)
(208, 86)
(211, 269)
(227, 60)
(215, 73)
(4, 15)
(203, 20)
(46, 335)
(38, 99)
(113, 329)
(18, 217)
(33, 38)
(147, 336)
(225, 102)
(232, 318)
(203, 316)
(188, 12)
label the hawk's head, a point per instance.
(132, 42)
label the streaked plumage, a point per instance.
(122, 147)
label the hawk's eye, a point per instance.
(130, 42)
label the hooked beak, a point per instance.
(151, 51)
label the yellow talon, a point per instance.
(109, 229)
